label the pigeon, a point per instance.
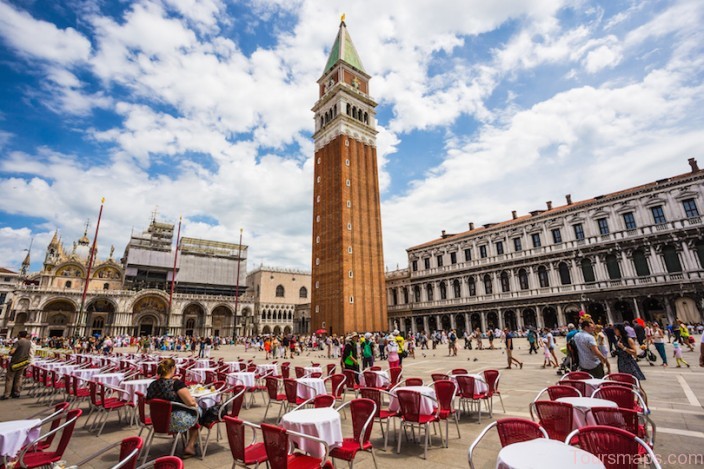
(475, 359)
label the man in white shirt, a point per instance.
(591, 359)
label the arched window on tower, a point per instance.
(349, 109)
(394, 297)
(280, 291)
(303, 292)
(68, 284)
(366, 118)
(354, 112)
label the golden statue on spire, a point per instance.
(342, 18)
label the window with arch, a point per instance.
(588, 271)
(280, 291)
(98, 322)
(443, 291)
(416, 294)
(612, 267)
(543, 277)
(672, 260)
(429, 291)
(505, 285)
(303, 292)
(640, 263)
(190, 323)
(405, 295)
(472, 286)
(488, 287)
(523, 279)
(394, 297)
(565, 277)
(106, 286)
(456, 288)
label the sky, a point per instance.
(201, 109)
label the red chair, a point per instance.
(330, 369)
(394, 376)
(576, 375)
(409, 403)
(285, 369)
(34, 459)
(580, 386)
(272, 389)
(129, 453)
(337, 386)
(145, 422)
(616, 448)
(510, 430)
(300, 372)
(371, 379)
(81, 390)
(445, 392)
(439, 377)
(160, 411)
(165, 462)
(235, 404)
(55, 418)
(108, 404)
(469, 395)
(492, 378)
(413, 382)
(363, 412)
(626, 378)
(625, 419)
(351, 382)
(625, 398)
(254, 453)
(555, 417)
(382, 414)
(556, 392)
(458, 371)
(291, 391)
(277, 445)
(320, 401)
(210, 377)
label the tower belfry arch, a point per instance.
(348, 286)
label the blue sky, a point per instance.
(201, 108)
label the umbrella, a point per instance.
(321, 331)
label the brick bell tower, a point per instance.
(348, 260)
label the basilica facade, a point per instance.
(636, 253)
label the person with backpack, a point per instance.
(367, 351)
(349, 359)
(589, 357)
(452, 343)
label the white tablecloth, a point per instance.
(480, 385)
(382, 378)
(545, 454)
(580, 417)
(310, 387)
(111, 379)
(236, 366)
(592, 385)
(426, 405)
(321, 423)
(65, 369)
(86, 374)
(134, 386)
(244, 378)
(312, 369)
(14, 434)
(268, 367)
(198, 374)
(203, 363)
(206, 398)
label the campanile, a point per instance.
(348, 285)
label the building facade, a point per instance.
(347, 256)
(633, 253)
(276, 293)
(132, 296)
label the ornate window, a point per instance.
(612, 267)
(578, 231)
(543, 277)
(416, 294)
(505, 285)
(429, 291)
(280, 291)
(640, 263)
(565, 277)
(443, 291)
(456, 288)
(523, 279)
(588, 271)
(629, 221)
(472, 286)
(672, 260)
(658, 215)
(488, 289)
(690, 208)
(303, 292)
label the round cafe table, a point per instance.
(133, 386)
(321, 423)
(111, 379)
(592, 384)
(205, 397)
(268, 368)
(480, 384)
(241, 377)
(86, 374)
(426, 405)
(14, 434)
(382, 376)
(543, 453)
(312, 369)
(235, 366)
(581, 405)
(308, 388)
(198, 374)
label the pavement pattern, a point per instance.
(675, 397)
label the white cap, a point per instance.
(395, 332)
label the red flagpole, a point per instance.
(173, 274)
(91, 258)
(237, 286)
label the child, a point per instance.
(547, 360)
(678, 354)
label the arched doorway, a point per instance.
(266, 330)
(150, 314)
(476, 321)
(59, 315)
(432, 324)
(277, 330)
(572, 315)
(445, 321)
(193, 320)
(492, 320)
(529, 318)
(624, 311)
(686, 310)
(287, 330)
(101, 314)
(653, 310)
(419, 324)
(598, 313)
(550, 317)
(510, 320)
(222, 321)
(147, 326)
(460, 325)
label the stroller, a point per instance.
(571, 360)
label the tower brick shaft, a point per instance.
(348, 260)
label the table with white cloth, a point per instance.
(480, 384)
(133, 386)
(65, 369)
(312, 369)
(268, 368)
(111, 379)
(382, 377)
(592, 384)
(203, 363)
(198, 374)
(427, 406)
(543, 453)
(14, 434)
(205, 396)
(580, 416)
(85, 374)
(235, 366)
(321, 423)
(308, 388)
(244, 378)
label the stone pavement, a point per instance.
(675, 396)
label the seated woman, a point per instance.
(174, 390)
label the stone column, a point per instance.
(483, 318)
(499, 314)
(425, 324)
(560, 315)
(671, 316)
(636, 308)
(453, 324)
(609, 316)
(438, 322)
(600, 269)
(467, 324)
(414, 327)
(539, 317)
(689, 257)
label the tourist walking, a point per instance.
(591, 359)
(350, 360)
(658, 339)
(677, 354)
(626, 352)
(509, 350)
(20, 353)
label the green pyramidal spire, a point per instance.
(343, 49)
